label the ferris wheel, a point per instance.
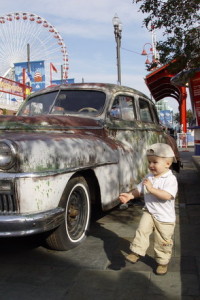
(21, 29)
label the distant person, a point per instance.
(1, 111)
(171, 131)
(159, 189)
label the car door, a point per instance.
(123, 127)
(132, 124)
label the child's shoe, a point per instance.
(161, 269)
(132, 258)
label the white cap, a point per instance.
(161, 150)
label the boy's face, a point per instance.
(158, 165)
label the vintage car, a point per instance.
(72, 149)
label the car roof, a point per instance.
(109, 87)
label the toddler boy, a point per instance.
(159, 189)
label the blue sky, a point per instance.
(87, 30)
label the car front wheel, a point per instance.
(76, 201)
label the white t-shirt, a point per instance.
(162, 210)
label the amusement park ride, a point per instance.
(29, 42)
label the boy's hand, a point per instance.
(125, 197)
(148, 184)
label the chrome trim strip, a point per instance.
(134, 129)
(22, 225)
(48, 127)
(9, 176)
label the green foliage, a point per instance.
(189, 116)
(180, 24)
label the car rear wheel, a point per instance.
(76, 201)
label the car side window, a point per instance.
(123, 108)
(145, 111)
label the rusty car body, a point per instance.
(69, 149)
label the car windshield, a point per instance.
(87, 102)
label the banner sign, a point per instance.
(35, 78)
(195, 94)
(185, 139)
(57, 82)
(166, 117)
(12, 87)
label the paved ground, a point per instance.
(97, 269)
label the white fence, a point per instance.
(10, 104)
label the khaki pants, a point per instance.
(163, 242)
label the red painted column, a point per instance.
(183, 110)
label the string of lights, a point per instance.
(130, 50)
